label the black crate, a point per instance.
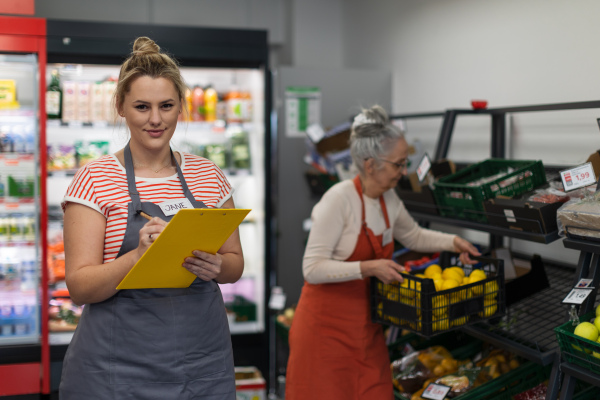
(417, 306)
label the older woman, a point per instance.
(336, 352)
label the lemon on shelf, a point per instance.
(586, 330)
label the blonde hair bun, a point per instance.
(144, 45)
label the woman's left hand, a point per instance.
(466, 249)
(205, 266)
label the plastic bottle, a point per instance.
(210, 103)
(234, 106)
(247, 108)
(198, 104)
(54, 97)
(188, 105)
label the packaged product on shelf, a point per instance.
(217, 153)
(240, 149)
(250, 384)
(21, 186)
(247, 107)
(86, 151)
(109, 85)
(69, 104)
(222, 107)
(97, 102)
(63, 314)
(60, 157)
(8, 94)
(580, 218)
(83, 101)
(234, 106)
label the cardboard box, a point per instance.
(249, 384)
(522, 215)
(417, 196)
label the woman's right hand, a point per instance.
(149, 233)
(387, 271)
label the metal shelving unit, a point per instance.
(527, 329)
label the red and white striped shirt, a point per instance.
(102, 186)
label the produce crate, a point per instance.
(416, 305)
(576, 349)
(456, 198)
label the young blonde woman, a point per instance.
(336, 352)
(146, 343)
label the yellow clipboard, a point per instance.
(203, 229)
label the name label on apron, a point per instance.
(387, 237)
(171, 207)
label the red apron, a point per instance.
(336, 352)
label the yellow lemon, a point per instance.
(440, 306)
(465, 280)
(441, 324)
(458, 270)
(489, 308)
(451, 274)
(435, 276)
(432, 269)
(459, 321)
(421, 276)
(491, 290)
(438, 284)
(477, 290)
(480, 274)
(379, 309)
(450, 284)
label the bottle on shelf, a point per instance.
(69, 101)
(234, 105)
(247, 109)
(187, 113)
(198, 104)
(54, 96)
(210, 104)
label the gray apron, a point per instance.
(151, 343)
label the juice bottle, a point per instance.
(247, 109)
(210, 103)
(198, 104)
(234, 106)
(187, 113)
(83, 101)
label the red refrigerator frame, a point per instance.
(28, 35)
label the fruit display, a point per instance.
(580, 342)
(440, 299)
(286, 317)
(62, 312)
(414, 372)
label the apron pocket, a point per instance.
(144, 345)
(206, 338)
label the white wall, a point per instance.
(443, 53)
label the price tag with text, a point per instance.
(423, 168)
(435, 391)
(580, 176)
(577, 296)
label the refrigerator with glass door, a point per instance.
(24, 350)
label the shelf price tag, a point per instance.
(435, 391)
(577, 296)
(424, 167)
(580, 176)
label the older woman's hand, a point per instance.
(385, 270)
(466, 249)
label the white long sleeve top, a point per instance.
(336, 224)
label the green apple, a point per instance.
(594, 353)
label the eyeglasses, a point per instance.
(401, 165)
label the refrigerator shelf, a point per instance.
(528, 326)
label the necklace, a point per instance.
(155, 171)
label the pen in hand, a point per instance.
(143, 214)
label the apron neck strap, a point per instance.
(358, 186)
(135, 195)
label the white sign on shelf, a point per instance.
(302, 109)
(580, 176)
(435, 391)
(577, 296)
(424, 167)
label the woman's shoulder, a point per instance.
(339, 193)
(102, 165)
(194, 162)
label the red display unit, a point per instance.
(24, 348)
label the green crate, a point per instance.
(513, 382)
(417, 306)
(578, 350)
(463, 352)
(456, 198)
